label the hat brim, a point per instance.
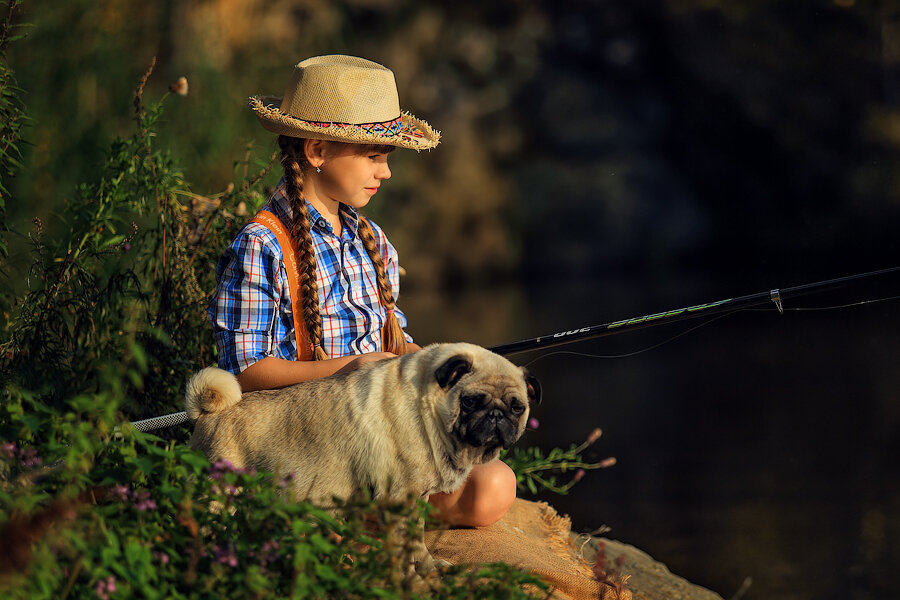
(414, 133)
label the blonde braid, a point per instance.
(292, 157)
(392, 337)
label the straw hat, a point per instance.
(343, 99)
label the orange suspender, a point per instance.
(268, 220)
(274, 224)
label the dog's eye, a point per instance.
(472, 402)
(516, 407)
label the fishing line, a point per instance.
(704, 324)
(851, 305)
(636, 352)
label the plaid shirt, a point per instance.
(251, 308)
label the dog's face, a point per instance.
(488, 400)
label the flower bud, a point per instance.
(179, 86)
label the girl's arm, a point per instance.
(271, 373)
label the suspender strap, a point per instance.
(274, 224)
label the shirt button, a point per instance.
(320, 222)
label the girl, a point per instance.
(337, 123)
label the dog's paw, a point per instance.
(424, 562)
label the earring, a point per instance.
(318, 170)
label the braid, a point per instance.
(291, 158)
(392, 338)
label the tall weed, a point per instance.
(110, 324)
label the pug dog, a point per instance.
(415, 424)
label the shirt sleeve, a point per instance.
(392, 267)
(244, 307)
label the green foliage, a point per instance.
(129, 278)
(88, 511)
(12, 116)
(110, 323)
(536, 471)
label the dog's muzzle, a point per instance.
(495, 428)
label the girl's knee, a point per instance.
(493, 491)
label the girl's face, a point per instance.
(352, 178)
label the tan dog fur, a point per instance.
(394, 427)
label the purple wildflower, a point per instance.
(269, 552)
(595, 435)
(120, 491)
(223, 465)
(143, 502)
(162, 557)
(105, 587)
(225, 556)
(8, 449)
(28, 458)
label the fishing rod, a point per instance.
(775, 296)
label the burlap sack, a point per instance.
(531, 536)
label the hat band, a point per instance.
(386, 128)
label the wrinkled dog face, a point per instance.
(491, 404)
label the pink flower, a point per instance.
(105, 587)
(29, 458)
(145, 505)
(579, 475)
(225, 556)
(8, 449)
(595, 435)
(120, 491)
(143, 502)
(533, 423)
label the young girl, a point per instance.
(337, 124)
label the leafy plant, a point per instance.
(12, 115)
(139, 260)
(534, 470)
(110, 323)
(87, 511)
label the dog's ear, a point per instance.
(453, 368)
(533, 386)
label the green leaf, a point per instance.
(116, 239)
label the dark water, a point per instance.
(758, 445)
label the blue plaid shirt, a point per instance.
(251, 308)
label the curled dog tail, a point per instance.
(211, 390)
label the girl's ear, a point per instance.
(315, 151)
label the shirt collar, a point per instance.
(282, 207)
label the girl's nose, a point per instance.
(384, 171)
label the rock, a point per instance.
(648, 579)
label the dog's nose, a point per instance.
(496, 414)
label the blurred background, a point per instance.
(600, 160)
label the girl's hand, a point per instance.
(365, 358)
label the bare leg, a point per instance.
(482, 500)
